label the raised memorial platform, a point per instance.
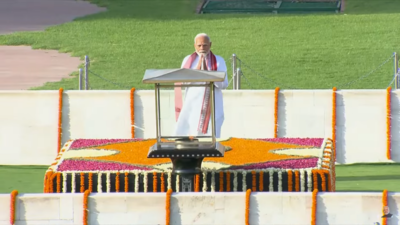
(121, 165)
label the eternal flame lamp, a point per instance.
(186, 153)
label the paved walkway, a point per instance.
(20, 66)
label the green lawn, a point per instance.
(295, 51)
(29, 179)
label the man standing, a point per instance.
(193, 116)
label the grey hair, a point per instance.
(202, 35)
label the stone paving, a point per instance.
(21, 67)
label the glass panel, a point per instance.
(190, 113)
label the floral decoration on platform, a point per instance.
(131, 154)
(302, 160)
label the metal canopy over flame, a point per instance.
(153, 76)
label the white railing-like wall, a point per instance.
(201, 208)
(29, 120)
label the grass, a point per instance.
(368, 177)
(359, 177)
(291, 51)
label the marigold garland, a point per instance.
(168, 207)
(314, 207)
(90, 182)
(126, 182)
(248, 193)
(132, 96)
(290, 180)
(315, 178)
(162, 183)
(329, 182)
(154, 181)
(197, 183)
(60, 105)
(82, 182)
(47, 182)
(388, 123)
(323, 183)
(261, 181)
(276, 112)
(228, 181)
(51, 187)
(117, 182)
(254, 180)
(85, 206)
(14, 194)
(384, 203)
(334, 120)
(221, 181)
(45, 187)
(297, 180)
(58, 182)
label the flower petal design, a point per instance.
(316, 142)
(310, 152)
(88, 153)
(86, 143)
(284, 164)
(86, 165)
(131, 154)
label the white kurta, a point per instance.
(188, 121)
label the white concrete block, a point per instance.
(395, 100)
(303, 98)
(193, 208)
(395, 151)
(78, 207)
(45, 222)
(235, 205)
(361, 97)
(285, 98)
(249, 98)
(4, 208)
(114, 218)
(111, 203)
(29, 206)
(66, 207)
(97, 114)
(394, 206)
(259, 122)
(28, 116)
(269, 208)
(150, 207)
(323, 98)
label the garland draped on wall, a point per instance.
(13, 196)
(314, 207)
(60, 106)
(384, 203)
(247, 212)
(276, 112)
(168, 207)
(388, 123)
(132, 96)
(334, 121)
(85, 207)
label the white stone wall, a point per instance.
(29, 120)
(200, 208)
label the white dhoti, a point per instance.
(189, 117)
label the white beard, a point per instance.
(202, 53)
